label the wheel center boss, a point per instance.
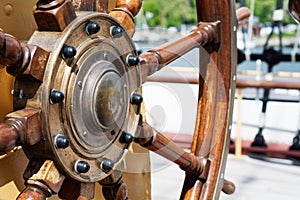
(90, 95)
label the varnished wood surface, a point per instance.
(32, 193)
(294, 8)
(8, 138)
(125, 11)
(156, 59)
(11, 50)
(158, 143)
(242, 14)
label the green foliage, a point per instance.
(264, 10)
(168, 13)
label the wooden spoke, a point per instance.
(160, 144)
(20, 127)
(242, 14)
(113, 187)
(44, 183)
(72, 189)
(156, 59)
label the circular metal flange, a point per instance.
(97, 84)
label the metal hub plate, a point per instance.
(97, 85)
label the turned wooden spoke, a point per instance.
(21, 58)
(44, 183)
(115, 191)
(228, 187)
(72, 189)
(156, 59)
(12, 53)
(242, 14)
(113, 186)
(160, 144)
(125, 11)
(20, 127)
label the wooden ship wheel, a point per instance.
(77, 98)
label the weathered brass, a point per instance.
(92, 118)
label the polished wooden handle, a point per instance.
(11, 51)
(20, 127)
(32, 193)
(228, 187)
(8, 138)
(242, 14)
(125, 11)
(131, 6)
(116, 191)
(156, 59)
(160, 144)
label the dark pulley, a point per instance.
(92, 28)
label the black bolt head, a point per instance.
(107, 165)
(68, 51)
(116, 31)
(126, 138)
(136, 99)
(132, 60)
(56, 96)
(82, 167)
(62, 142)
(92, 28)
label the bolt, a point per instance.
(136, 99)
(56, 96)
(113, 132)
(126, 138)
(61, 141)
(8, 9)
(107, 165)
(82, 166)
(116, 31)
(132, 60)
(92, 28)
(68, 52)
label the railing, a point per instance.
(239, 146)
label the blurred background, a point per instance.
(265, 165)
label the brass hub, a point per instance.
(89, 71)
